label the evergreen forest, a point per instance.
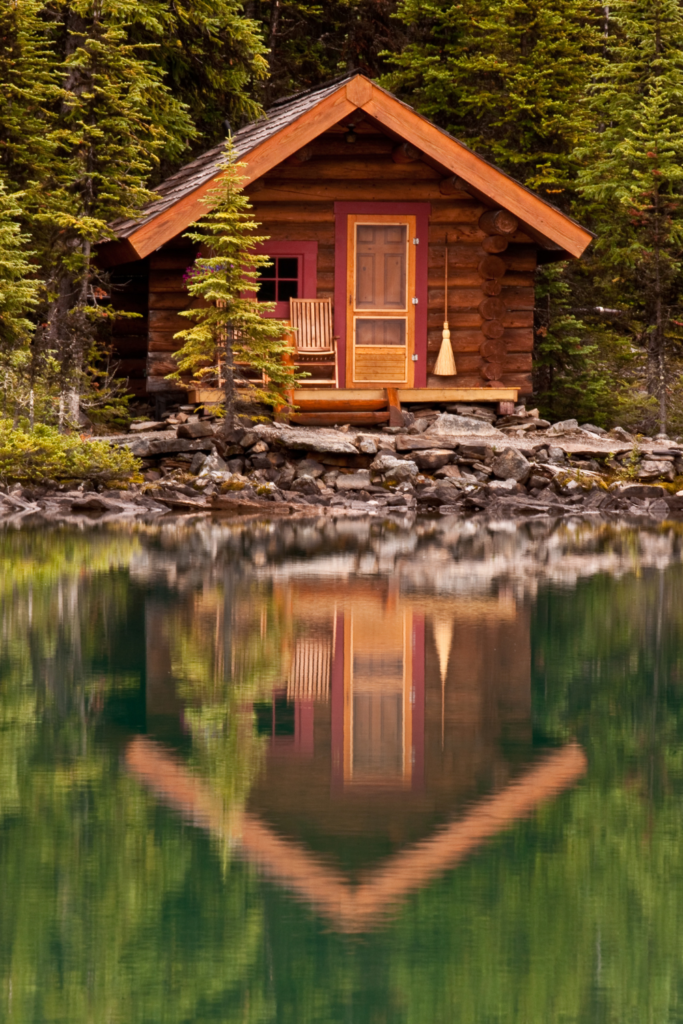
(101, 99)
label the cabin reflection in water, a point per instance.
(399, 740)
(401, 711)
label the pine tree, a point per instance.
(113, 118)
(214, 60)
(310, 42)
(508, 78)
(632, 180)
(230, 328)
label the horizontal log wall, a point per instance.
(296, 201)
(167, 296)
(129, 293)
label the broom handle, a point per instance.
(445, 291)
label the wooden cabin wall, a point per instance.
(129, 285)
(167, 296)
(296, 201)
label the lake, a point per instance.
(342, 771)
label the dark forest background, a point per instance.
(100, 99)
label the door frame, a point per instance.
(421, 212)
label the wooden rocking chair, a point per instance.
(314, 342)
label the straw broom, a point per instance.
(445, 364)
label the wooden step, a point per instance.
(333, 419)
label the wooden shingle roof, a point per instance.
(291, 124)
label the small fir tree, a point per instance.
(632, 181)
(231, 328)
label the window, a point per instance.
(280, 282)
(291, 275)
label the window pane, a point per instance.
(268, 271)
(288, 266)
(381, 332)
(266, 292)
(287, 290)
(381, 264)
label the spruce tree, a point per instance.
(632, 180)
(508, 78)
(230, 328)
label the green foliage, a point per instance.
(508, 78)
(632, 181)
(45, 454)
(18, 293)
(230, 327)
(310, 42)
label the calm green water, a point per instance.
(351, 773)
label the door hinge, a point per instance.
(415, 301)
(416, 241)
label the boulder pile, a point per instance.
(449, 462)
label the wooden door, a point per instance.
(381, 300)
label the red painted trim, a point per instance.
(419, 702)
(308, 269)
(421, 212)
(337, 706)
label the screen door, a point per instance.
(381, 310)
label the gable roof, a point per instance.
(292, 123)
(362, 906)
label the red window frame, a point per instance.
(307, 254)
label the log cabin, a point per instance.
(392, 244)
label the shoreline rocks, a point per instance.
(447, 463)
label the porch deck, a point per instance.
(321, 407)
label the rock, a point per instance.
(509, 486)
(367, 444)
(433, 459)
(146, 427)
(537, 480)
(95, 503)
(286, 477)
(406, 443)
(592, 429)
(234, 465)
(511, 464)
(447, 423)
(420, 425)
(197, 462)
(249, 438)
(650, 469)
(478, 452)
(213, 464)
(623, 489)
(556, 456)
(359, 481)
(447, 493)
(309, 467)
(563, 427)
(260, 448)
(477, 411)
(450, 473)
(147, 447)
(192, 431)
(304, 485)
(312, 439)
(392, 468)
(659, 508)
(620, 434)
